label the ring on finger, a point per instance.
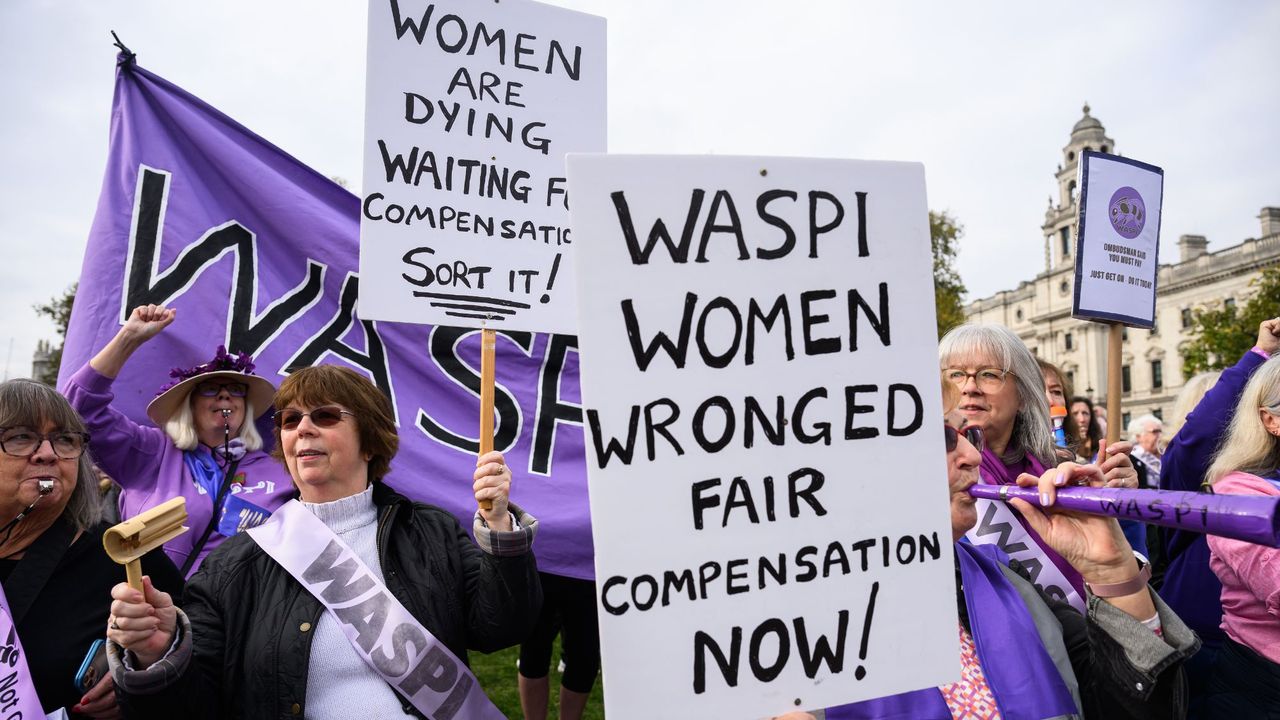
(113, 625)
(501, 469)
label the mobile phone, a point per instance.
(93, 667)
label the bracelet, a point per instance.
(1120, 589)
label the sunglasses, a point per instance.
(325, 416)
(972, 433)
(210, 388)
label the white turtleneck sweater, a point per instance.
(341, 685)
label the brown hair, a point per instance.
(330, 384)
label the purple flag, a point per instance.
(259, 252)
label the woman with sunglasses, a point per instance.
(52, 563)
(1025, 654)
(285, 619)
(204, 445)
(1002, 391)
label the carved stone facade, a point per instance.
(1039, 310)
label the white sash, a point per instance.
(998, 525)
(18, 697)
(384, 634)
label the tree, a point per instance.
(948, 289)
(1219, 336)
(58, 310)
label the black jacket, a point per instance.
(251, 620)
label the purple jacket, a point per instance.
(150, 469)
(1190, 587)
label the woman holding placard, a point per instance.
(406, 591)
(1002, 391)
(1244, 678)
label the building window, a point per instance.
(1064, 288)
(1126, 382)
(1071, 155)
(1229, 304)
(1065, 234)
(1018, 314)
(1104, 148)
(1124, 334)
(1124, 420)
(1157, 374)
(1070, 341)
(1186, 318)
(1158, 413)
(1155, 328)
(1071, 191)
(1071, 378)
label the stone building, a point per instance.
(1039, 310)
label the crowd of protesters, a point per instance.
(1118, 622)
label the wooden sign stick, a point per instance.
(487, 343)
(1114, 341)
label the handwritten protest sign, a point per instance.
(470, 110)
(1118, 243)
(765, 457)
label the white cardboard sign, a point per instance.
(470, 108)
(1118, 241)
(765, 457)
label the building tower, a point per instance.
(1060, 220)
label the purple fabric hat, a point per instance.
(223, 365)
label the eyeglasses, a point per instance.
(972, 433)
(210, 388)
(988, 379)
(325, 416)
(24, 442)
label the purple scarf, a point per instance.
(1022, 677)
(995, 472)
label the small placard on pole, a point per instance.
(1118, 240)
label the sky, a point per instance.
(983, 94)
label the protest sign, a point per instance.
(764, 455)
(470, 110)
(258, 252)
(1118, 241)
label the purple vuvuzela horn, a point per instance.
(1251, 518)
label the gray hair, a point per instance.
(1137, 426)
(181, 428)
(1032, 428)
(27, 403)
(1248, 446)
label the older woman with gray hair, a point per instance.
(1002, 392)
(54, 570)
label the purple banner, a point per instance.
(259, 252)
(1251, 518)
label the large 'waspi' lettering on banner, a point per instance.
(760, 384)
(257, 251)
(470, 109)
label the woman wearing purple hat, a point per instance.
(205, 447)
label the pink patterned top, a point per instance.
(971, 697)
